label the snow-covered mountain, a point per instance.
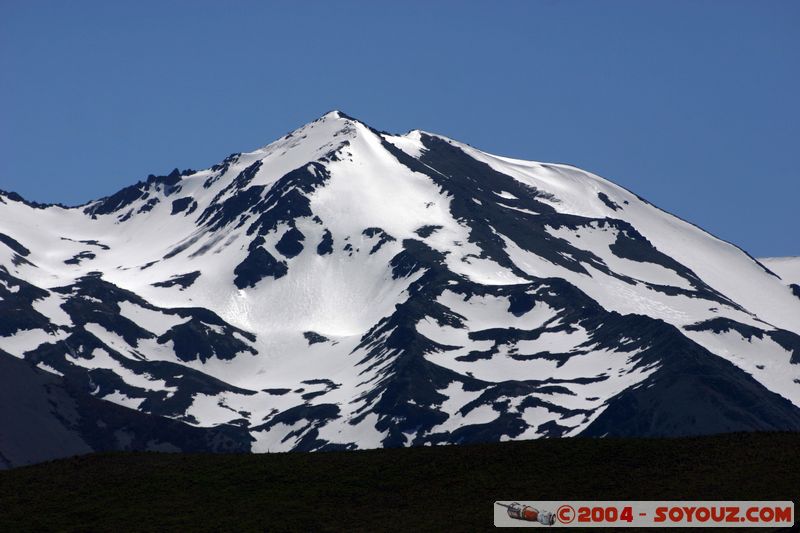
(349, 288)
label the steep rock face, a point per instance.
(348, 288)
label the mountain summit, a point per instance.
(347, 288)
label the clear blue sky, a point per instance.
(691, 104)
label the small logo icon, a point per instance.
(529, 514)
(565, 514)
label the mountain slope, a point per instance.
(43, 418)
(787, 268)
(348, 288)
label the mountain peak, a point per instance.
(334, 114)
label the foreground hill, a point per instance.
(346, 288)
(441, 488)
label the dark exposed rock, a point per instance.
(76, 259)
(325, 246)
(16, 305)
(14, 245)
(258, 265)
(289, 244)
(314, 338)
(382, 236)
(608, 201)
(181, 204)
(181, 280)
(427, 231)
